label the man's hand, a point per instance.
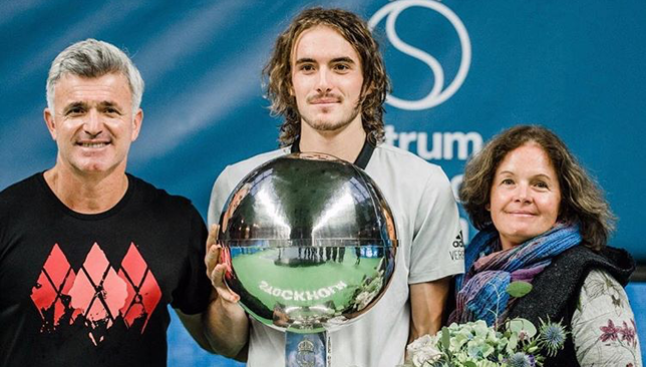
(226, 323)
(216, 267)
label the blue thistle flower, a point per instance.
(521, 359)
(552, 337)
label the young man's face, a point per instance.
(93, 123)
(327, 79)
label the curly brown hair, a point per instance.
(582, 201)
(278, 80)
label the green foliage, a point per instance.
(515, 343)
(446, 338)
(475, 344)
(519, 289)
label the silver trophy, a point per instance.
(310, 243)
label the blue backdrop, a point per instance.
(462, 71)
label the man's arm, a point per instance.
(214, 329)
(193, 324)
(427, 302)
(198, 326)
(226, 326)
(436, 254)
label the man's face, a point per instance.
(93, 124)
(327, 79)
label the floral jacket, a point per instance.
(603, 324)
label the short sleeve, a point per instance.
(437, 249)
(221, 190)
(193, 293)
(603, 325)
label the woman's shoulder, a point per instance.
(615, 261)
(603, 324)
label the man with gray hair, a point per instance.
(90, 256)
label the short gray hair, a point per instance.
(94, 59)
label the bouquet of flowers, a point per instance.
(516, 343)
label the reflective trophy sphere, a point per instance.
(310, 243)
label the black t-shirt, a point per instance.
(93, 290)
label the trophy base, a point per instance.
(306, 350)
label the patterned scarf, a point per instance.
(481, 293)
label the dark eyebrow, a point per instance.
(343, 59)
(543, 176)
(538, 175)
(74, 105)
(305, 60)
(110, 104)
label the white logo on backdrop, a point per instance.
(437, 95)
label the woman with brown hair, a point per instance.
(542, 220)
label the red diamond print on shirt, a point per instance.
(97, 294)
(51, 289)
(143, 291)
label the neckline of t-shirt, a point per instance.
(65, 209)
(362, 159)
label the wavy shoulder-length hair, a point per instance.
(278, 79)
(582, 201)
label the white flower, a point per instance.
(476, 344)
(429, 356)
(423, 350)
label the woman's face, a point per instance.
(525, 195)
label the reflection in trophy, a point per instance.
(311, 244)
